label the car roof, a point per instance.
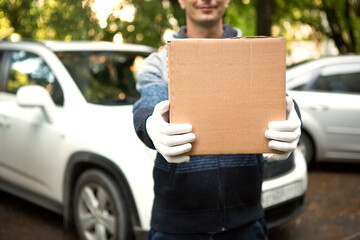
(62, 46)
(74, 46)
(310, 65)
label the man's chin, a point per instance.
(208, 21)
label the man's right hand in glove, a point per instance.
(170, 139)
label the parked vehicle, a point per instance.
(327, 91)
(67, 139)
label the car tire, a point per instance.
(99, 208)
(306, 146)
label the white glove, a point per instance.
(284, 135)
(170, 140)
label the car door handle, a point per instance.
(319, 108)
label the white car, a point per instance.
(327, 91)
(67, 139)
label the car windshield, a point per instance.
(104, 77)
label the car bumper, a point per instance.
(283, 197)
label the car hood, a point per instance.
(102, 121)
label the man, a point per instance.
(207, 196)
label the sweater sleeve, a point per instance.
(153, 87)
(297, 109)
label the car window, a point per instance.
(303, 80)
(339, 83)
(1, 54)
(104, 77)
(1, 80)
(29, 69)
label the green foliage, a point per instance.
(68, 19)
(329, 19)
(179, 14)
(148, 26)
(242, 16)
(21, 15)
(75, 20)
(49, 19)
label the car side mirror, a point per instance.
(37, 96)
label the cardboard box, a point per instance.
(229, 90)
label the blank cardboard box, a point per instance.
(228, 90)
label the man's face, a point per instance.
(204, 12)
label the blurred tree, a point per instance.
(75, 20)
(151, 19)
(242, 14)
(333, 19)
(264, 12)
(20, 16)
(328, 19)
(179, 14)
(70, 20)
(50, 19)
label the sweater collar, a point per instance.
(228, 32)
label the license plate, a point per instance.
(281, 194)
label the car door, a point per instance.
(29, 141)
(335, 98)
(2, 117)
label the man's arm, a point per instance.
(144, 108)
(150, 113)
(152, 85)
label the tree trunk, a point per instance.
(349, 19)
(336, 29)
(264, 9)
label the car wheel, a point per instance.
(306, 146)
(99, 208)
